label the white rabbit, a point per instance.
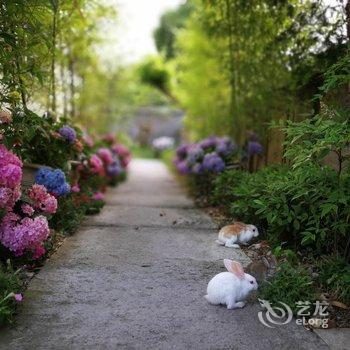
(238, 232)
(230, 288)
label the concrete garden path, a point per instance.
(134, 277)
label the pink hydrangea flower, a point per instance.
(88, 140)
(10, 175)
(42, 199)
(22, 235)
(106, 155)
(8, 157)
(39, 251)
(123, 153)
(110, 137)
(75, 188)
(5, 195)
(8, 197)
(49, 205)
(18, 297)
(96, 164)
(27, 209)
(98, 196)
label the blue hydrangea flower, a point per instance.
(68, 133)
(42, 175)
(61, 190)
(53, 180)
(114, 169)
(212, 162)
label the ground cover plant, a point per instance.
(10, 293)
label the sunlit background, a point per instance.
(130, 38)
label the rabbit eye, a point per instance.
(253, 229)
(251, 282)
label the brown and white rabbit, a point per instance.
(238, 232)
(231, 288)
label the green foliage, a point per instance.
(333, 273)
(168, 156)
(170, 23)
(290, 285)
(48, 50)
(313, 139)
(337, 75)
(142, 152)
(9, 283)
(306, 208)
(154, 73)
(200, 83)
(69, 214)
(32, 138)
(24, 47)
(224, 184)
(239, 65)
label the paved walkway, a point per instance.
(134, 277)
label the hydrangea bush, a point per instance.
(42, 139)
(10, 178)
(211, 155)
(23, 228)
(106, 164)
(32, 219)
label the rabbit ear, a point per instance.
(234, 267)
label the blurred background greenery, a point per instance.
(229, 65)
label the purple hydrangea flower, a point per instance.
(254, 147)
(195, 153)
(182, 167)
(181, 152)
(212, 162)
(197, 169)
(209, 142)
(225, 146)
(68, 133)
(114, 169)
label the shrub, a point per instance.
(334, 276)
(69, 215)
(313, 139)
(41, 140)
(290, 285)
(306, 207)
